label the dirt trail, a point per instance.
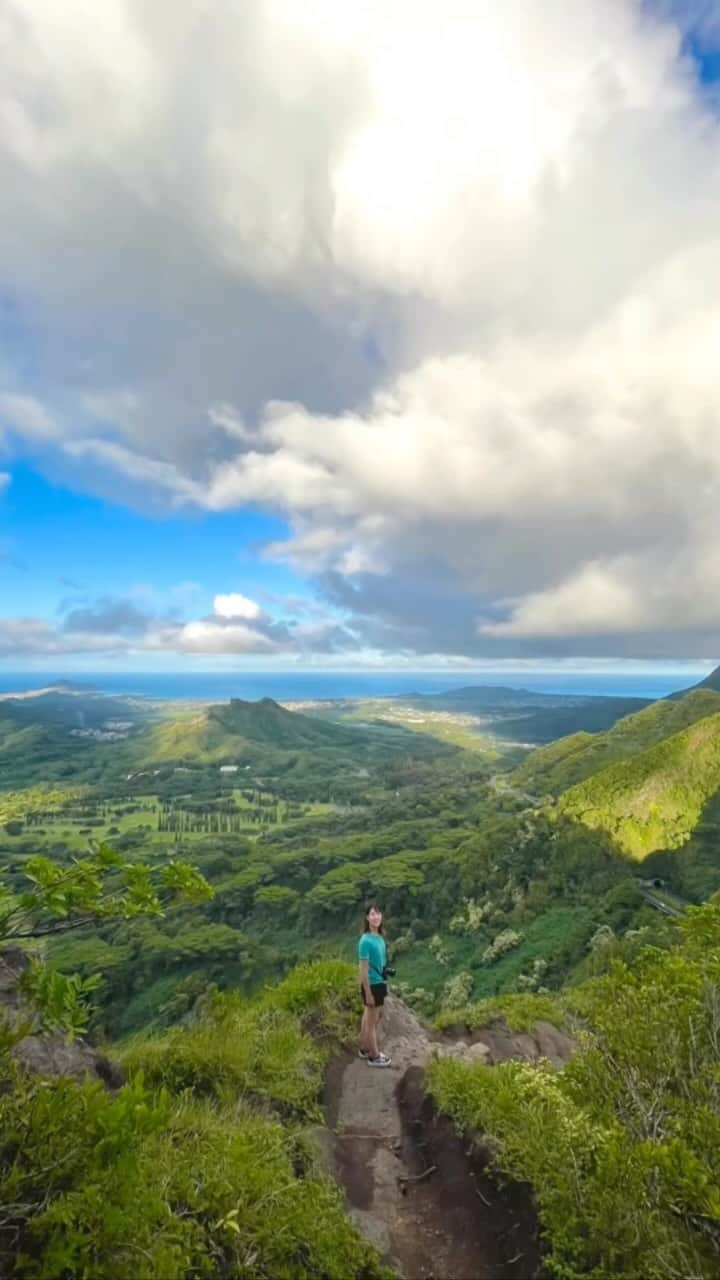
(412, 1188)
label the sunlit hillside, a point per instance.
(653, 800)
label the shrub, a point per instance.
(622, 1148)
(235, 1049)
(505, 941)
(111, 1188)
(456, 991)
(518, 1010)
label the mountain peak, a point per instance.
(711, 681)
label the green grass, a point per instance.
(519, 1010)
(61, 823)
(255, 1049)
(620, 1148)
(16, 804)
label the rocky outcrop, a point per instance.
(48, 1054)
(497, 1043)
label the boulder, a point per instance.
(48, 1054)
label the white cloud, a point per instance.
(235, 605)
(119, 625)
(518, 204)
(27, 416)
(208, 637)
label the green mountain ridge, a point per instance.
(289, 749)
(67, 707)
(655, 799)
(569, 761)
(220, 732)
(711, 681)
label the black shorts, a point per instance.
(379, 992)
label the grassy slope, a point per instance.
(654, 800)
(569, 761)
(224, 732)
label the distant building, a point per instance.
(228, 768)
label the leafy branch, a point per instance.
(94, 889)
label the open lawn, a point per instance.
(77, 820)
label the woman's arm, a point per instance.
(365, 981)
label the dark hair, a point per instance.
(366, 923)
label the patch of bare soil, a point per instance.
(478, 1229)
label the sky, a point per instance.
(359, 333)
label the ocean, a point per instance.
(287, 686)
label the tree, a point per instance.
(99, 887)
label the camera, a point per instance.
(389, 971)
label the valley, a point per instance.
(493, 859)
(524, 886)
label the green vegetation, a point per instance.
(519, 715)
(518, 1010)
(299, 823)
(17, 806)
(621, 1148)
(570, 760)
(226, 983)
(173, 1177)
(692, 870)
(654, 800)
(454, 727)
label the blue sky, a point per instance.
(301, 365)
(64, 545)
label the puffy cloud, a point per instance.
(236, 606)
(434, 283)
(208, 636)
(237, 626)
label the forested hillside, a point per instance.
(654, 800)
(570, 760)
(296, 819)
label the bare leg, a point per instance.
(368, 1035)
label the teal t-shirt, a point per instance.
(372, 948)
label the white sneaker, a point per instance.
(381, 1061)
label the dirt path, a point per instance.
(413, 1190)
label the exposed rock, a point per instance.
(497, 1043)
(48, 1054)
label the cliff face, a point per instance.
(48, 1054)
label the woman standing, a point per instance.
(372, 954)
